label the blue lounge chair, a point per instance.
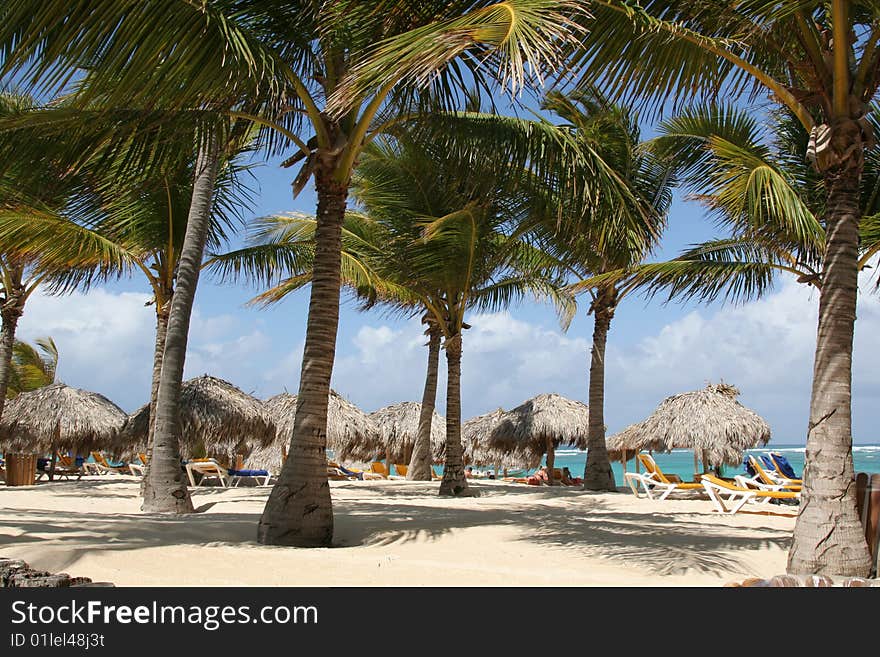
(262, 477)
(782, 465)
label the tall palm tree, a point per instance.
(817, 59)
(612, 132)
(143, 217)
(436, 239)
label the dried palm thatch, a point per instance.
(216, 418)
(475, 435)
(398, 426)
(351, 434)
(59, 417)
(710, 421)
(540, 425)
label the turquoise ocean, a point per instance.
(866, 458)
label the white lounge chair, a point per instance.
(738, 496)
(209, 469)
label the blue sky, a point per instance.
(765, 348)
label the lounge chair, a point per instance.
(738, 495)
(764, 477)
(262, 477)
(654, 480)
(782, 467)
(401, 469)
(102, 466)
(138, 469)
(209, 469)
(379, 468)
(435, 476)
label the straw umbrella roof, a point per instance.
(398, 426)
(546, 417)
(710, 421)
(475, 435)
(60, 417)
(351, 433)
(214, 414)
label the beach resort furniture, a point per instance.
(400, 469)
(764, 477)
(102, 466)
(137, 469)
(654, 480)
(65, 466)
(262, 477)
(782, 467)
(377, 467)
(208, 469)
(738, 496)
(435, 476)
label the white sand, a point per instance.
(395, 533)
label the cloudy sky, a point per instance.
(765, 348)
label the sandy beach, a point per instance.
(395, 533)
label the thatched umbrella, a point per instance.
(351, 434)
(475, 434)
(216, 418)
(709, 421)
(58, 417)
(398, 426)
(541, 424)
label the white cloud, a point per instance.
(765, 347)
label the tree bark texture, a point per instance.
(454, 480)
(828, 537)
(299, 510)
(420, 464)
(165, 490)
(597, 470)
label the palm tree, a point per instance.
(143, 217)
(32, 367)
(612, 132)
(818, 60)
(431, 242)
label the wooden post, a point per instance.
(696, 469)
(551, 459)
(388, 460)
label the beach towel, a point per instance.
(747, 466)
(784, 465)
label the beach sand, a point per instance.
(395, 533)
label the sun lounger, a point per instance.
(782, 467)
(738, 495)
(262, 477)
(654, 480)
(138, 469)
(765, 477)
(208, 469)
(102, 466)
(401, 469)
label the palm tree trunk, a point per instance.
(597, 471)
(10, 314)
(158, 351)
(828, 537)
(299, 511)
(420, 464)
(166, 489)
(11, 309)
(454, 479)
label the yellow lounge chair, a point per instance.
(739, 495)
(655, 480)
(137, 469)
(401, 469)
(379, 468)
(103, 466)
(779, 473)
(765, 478)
